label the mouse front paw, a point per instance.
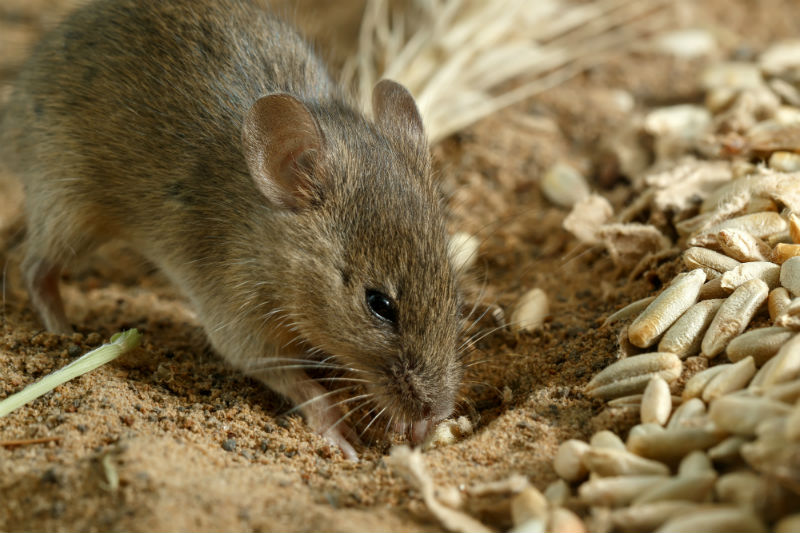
(341, 436)
(327, 420)
(313, 401)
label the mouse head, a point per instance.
(369, 280)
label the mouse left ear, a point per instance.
(395, 111)
(282, 141)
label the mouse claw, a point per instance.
(341, 435)
(418, 430)
(337, 438)
(415, 432)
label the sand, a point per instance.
(198, 447)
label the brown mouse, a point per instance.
(208, 135)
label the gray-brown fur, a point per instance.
(127, 122)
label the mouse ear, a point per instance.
(281, 141)
(395, 110)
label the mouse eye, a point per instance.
(381, 305)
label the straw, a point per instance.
(120, 343)
(461, 56)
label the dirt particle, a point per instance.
(325, 452)
(51, 476)
(57, 509)
(491, 171)
(229, 445)
(333, 499)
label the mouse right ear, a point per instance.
(281, 141)
(394, 109)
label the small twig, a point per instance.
(112, 476)
(26, 442)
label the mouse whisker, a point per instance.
(473, 382)
(240, 315)
(578, 252)
(465, 401)
(354, 398)
(477, 320)
(484, 384)
(354, 380)
(278, 316)
(365, 415)
(507, 325)
(293, 340)
(387, 431)
(349, 413)
(292, 359)
(343, 365)
(276, 364)
(304, 363)
(469, 343)
(294, 327)
(357, 370)
(317, 351)
(477, 301)
(465, 404)
(317, 362)
(345, 378)
(479, 336)
(476, 363)
(469, 339)
(279, 368)
(276, 313)
(316, 399)
(374, 419)
(493, 360)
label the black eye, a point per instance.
(381, 305)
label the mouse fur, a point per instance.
(209, 135)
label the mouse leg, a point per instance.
(52, 236)
(41, 278)
(313, 401)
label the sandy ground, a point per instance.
(199, 447)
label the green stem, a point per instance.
(120, 343)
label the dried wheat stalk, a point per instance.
(456, 56)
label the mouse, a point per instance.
(306, 235)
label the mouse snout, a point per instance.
(418, 392)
